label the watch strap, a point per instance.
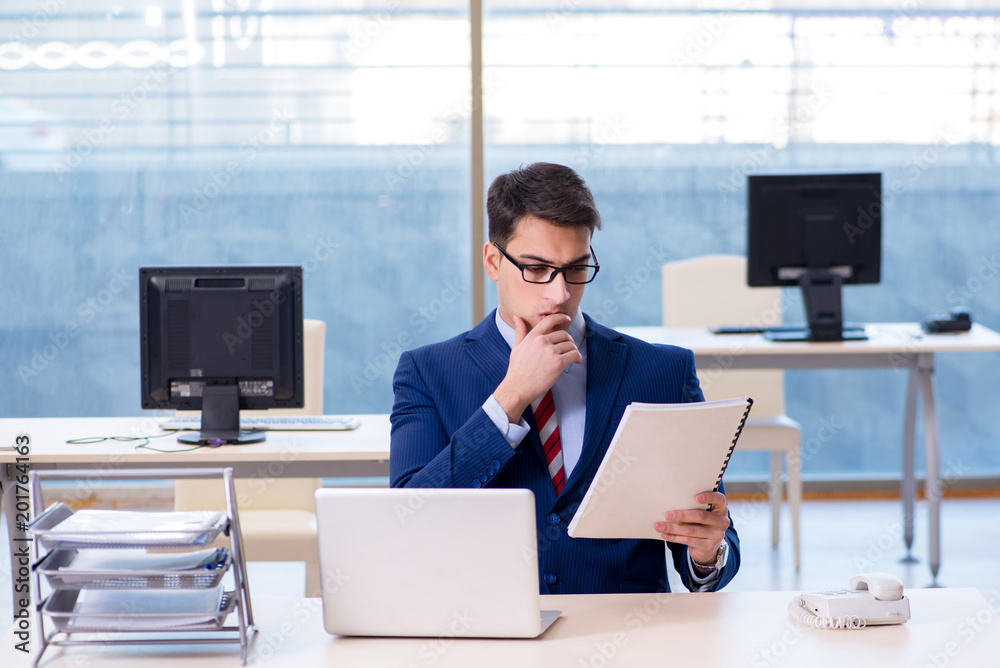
(715, 565)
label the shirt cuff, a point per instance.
(514, 433)
(706, 583)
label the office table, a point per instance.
(957, 628)
(890, 345)
(291, 454)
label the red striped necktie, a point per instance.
(544, 410)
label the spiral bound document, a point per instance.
(661, 457)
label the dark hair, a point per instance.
(554, 193)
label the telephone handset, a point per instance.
(873, 598)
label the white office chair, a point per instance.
(711, 291)
(277, 515)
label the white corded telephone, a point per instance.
(874, 598)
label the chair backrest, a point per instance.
(711, 291)
(272, 493)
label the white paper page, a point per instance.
(119, 521)
(144, 608)
(661, 457)
(131, 560)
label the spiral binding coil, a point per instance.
(736, 437)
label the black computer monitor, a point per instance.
(221, 339)
(817, 231)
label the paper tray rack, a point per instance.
(171, 617)
(55, 569)
(61, 608)
(46, 528)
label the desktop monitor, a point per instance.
(221, 339)
(817, 231)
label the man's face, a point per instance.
(536, 241)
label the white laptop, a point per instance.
(435, 563)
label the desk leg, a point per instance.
(909, 485)
(925, 366)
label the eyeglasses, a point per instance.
(545, 273)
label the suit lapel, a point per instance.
(488, 350)
(606, 358)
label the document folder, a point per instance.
(661, 457)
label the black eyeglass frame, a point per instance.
(555, 270)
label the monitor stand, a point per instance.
(821, 294)
(220, 419)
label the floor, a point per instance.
(839, 539)
(843, 538)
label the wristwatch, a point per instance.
(721, 557)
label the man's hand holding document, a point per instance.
(661, 457)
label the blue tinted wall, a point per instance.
(389, 268)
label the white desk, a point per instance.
(890, 345)
(301, 454)
(955, 627)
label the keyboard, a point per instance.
(276, 423)
(847, 327)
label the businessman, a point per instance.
(531, 398)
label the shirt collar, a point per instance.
(577, 329)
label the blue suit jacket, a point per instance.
(441, 437)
